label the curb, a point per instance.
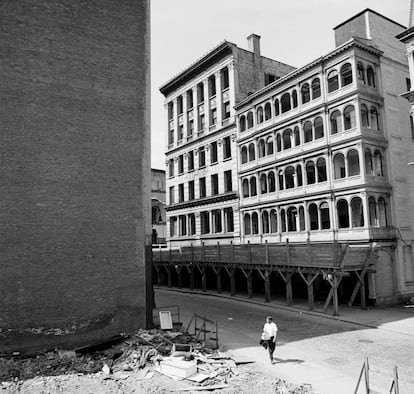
(297, 310)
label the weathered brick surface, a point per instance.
(74, 173)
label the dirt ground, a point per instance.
(247, 381)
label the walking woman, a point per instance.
(270, 333)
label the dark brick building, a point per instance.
(74, 174)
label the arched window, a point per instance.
(370, 76)
(242, 123)
(372, 210)
(283, 220)
(263, 184)
(289, 177)
(262, 148)
(346, 74)
(313, 217)
(252, 153)
(268, 111)
(296, 133)
(277, 109)
(333, 82)
(368, 161)
(271, 181)
(253, 188)
(336, 124)
(364, 116)
(259, 115)
(378, 163)
(244, 155)
(310, 173)
(382, 212)
(255, 223)
(250, 120)
(361, 72)
(302, 219)
(316, 88)
(294, 99)
(285, 103)
(287, 139)
(280, 176)
(299, 178)
(349, 117)
(357, 212)
(374, 120)
(273, 221)
(269, 146)
(278, 142)
(305, 93)
(325, 219)
(353, 162)
(292, 213)
(318, 124)
(339, 166)
(321, 168)
(343, 214)
(265, 222)
(247, 224)
(246, 188)
(307, 131)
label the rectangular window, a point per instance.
(228, 220)
(408, 83)
(201, 158)
(228, 186)
(170, 111)
(217, 225)
(269, 78)
(173, 225)
(180, 132)
(205, 222)
(180, 105)
(190, 130)
(214, 185)
(191, 224)
(213, 152)
(182, 220)
(212, 86)
(226, 110)
(201, 122)
(190, 99)
(180, 164)
(200, 93)
(190, 160)
(226, 148)
(213, 116)
(171, 195)
(171, 136)
(412, 127)
(202, 187)
(171, 167)
(224, 78)
(181, 192)
(191, 194)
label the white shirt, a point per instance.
(270, 329)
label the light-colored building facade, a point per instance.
(323, 153)
(158, 213)
(201, 157)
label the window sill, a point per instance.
(227, 158)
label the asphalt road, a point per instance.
(325, 353)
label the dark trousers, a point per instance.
(271, 347)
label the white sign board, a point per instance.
(165, 320)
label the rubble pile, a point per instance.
(283, 387)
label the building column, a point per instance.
(175, 120)
(232, 88)
(206, 106)
(223, 221)
(410, 58)
(195, 110)
(364, 199)
(349, 213)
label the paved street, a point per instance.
(326, 353)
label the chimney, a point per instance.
(253, 42)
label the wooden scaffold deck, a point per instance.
(332, 261)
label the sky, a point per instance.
(294, 32)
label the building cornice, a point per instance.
(353, 43)
(222, 50)
(406, 35)
(203, 201)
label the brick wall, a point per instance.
(74, 175)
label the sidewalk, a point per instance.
(399, 319)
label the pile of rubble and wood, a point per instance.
(176, 355)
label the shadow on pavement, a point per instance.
(288, 360)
